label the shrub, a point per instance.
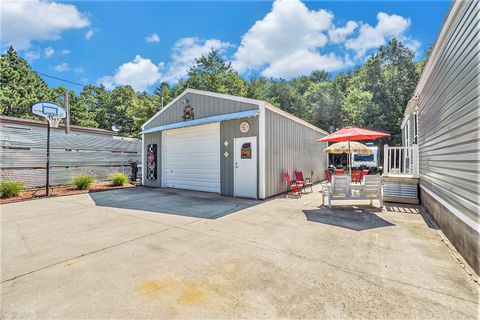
(118, 178)
(83, 181)
(9, 189)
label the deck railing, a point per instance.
(400, 161)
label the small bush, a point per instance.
(83, 182)
(9, 189)
(118, 178)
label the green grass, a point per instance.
(83, 181)
(9, 189)
(118, 178)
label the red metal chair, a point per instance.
(339, 171)
(365, 173)
(328, 173)
(305, 182)
(293, 186)
(357, 176)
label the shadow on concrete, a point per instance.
(401, 208)
(173, 201)
(357, 218)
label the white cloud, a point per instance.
(292, 40)
(339, 35)
(139, 74)
(152, 38)
(411, 44)
(184, 53)
(89, 34)
(303, 62)
(142, 73)
(78, 70)
(290, 27)
(32, 55)
(49, 51)
(25, 21)
(62, 67)
(369, 37)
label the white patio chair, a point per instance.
(339, 188)
(372, 188)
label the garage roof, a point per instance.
(206, 120)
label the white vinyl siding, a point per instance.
(191, 158)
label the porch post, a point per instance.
(386, 161)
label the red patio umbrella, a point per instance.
(351, 133)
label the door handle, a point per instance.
(236, 164)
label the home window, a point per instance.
(246, 151)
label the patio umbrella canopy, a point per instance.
(349, 134)
(348, 147)
(353, 133)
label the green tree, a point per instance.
(391, 76)
(212, 73)
(355, 107)
(163, 94)
(20, 86)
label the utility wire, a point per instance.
(60, 79)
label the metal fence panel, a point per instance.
(23, 154)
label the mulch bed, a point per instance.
(62, 191)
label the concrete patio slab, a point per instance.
(149, 253)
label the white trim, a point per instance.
(163, 159)
(143, 160)
(467, 220)
(294, 118)
(165, 108)
(226, 96)
(205, 93)
(259, 103)
(262, 153)
(206, 120)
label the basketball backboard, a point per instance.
(52, 111)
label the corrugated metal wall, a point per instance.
(203, 106)
(448, 117)
(153, 138)
(23, 154)
(291, 146)
(229, 130)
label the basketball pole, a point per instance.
(48, 160)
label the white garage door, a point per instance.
(191, 158)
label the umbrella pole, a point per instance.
(349, 158)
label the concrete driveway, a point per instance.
(149, 253)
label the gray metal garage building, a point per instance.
(230, 145)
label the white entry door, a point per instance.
(245, 167)
(191, 158)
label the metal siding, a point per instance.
(23, 154)
(449, 119)
(203, 106)
(153, 138)
(291, 146)
(229, 130)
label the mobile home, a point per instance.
(442, 121)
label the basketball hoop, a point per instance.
(53, 120)
(53, 113)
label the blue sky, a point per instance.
(145, 43)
